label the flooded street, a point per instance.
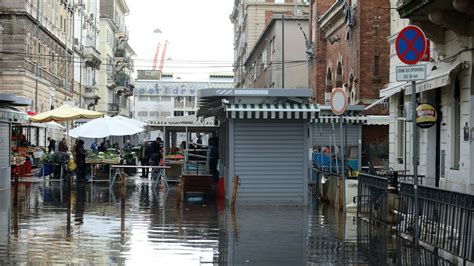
(39, 223)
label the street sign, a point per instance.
(411, 73)
(338, 101)
(410, 45)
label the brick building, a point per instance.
(351, 48)
(351, 52)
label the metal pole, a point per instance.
(283, 50)
(415, 157)
(80, 57)
(343, 174)
(37, 60)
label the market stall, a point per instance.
(264, 142)
(181, 158)
(8, 115)
(107, 127)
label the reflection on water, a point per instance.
(137, 225)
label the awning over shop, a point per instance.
(353, 115)
(327, 119)
(272, 111)
(13, 115)
(439, 75)
(184, 121)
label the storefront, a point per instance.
(8, 115)
(264, 140)
(446, 147)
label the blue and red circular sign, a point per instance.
(410, 45)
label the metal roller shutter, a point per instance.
(269, 159)
(322, 134)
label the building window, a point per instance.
(143, 113)
(401, 128)
(178, 113)
(456, 128)
(279, 1)
(329, 81)
(272, 47)
(339, 75)
(376, 68)
(265, 58)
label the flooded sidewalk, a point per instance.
(40, 223)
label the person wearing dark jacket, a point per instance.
(80, 161)
(156, 152)
(52, 145)
(144, 157)
(63, 145)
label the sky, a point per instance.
(199, 33)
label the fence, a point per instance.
(446, 218)
(372, 198)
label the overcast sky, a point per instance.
(198, 31)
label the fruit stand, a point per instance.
(104, 159)
(175, 160)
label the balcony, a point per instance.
(91, 96)
(121, 79)
(119, 53)
(113, 108)
(92, 57)
(437, 16)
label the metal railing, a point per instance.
(372, 194)
(446, 218)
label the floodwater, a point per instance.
(40, 223)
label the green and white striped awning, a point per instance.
(348, 119)
(272, 111)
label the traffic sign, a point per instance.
(410, 45)
(338, 101)
(411, 73)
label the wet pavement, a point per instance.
(39, 223)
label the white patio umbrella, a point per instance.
(134, 122)
(104, 127)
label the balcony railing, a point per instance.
(120, 53)
(92, 57)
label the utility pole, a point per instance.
(81, 55)
(283, 50)
(37, 60)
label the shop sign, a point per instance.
(426, 115)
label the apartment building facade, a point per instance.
(264, 63)
(446, 150)
(36, 43)
(86, 55)
(114, 82)
(250, 18)
(161, 96)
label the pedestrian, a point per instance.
(156, 152)
(80, 161)
(214, 158)
(95, 146)
(144, 158)
(128, 147)
(51, 145)
(74, 148)
(156, 157)
(102, 147)
(63, 145)
(107, 144)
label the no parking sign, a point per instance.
(410, 45)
